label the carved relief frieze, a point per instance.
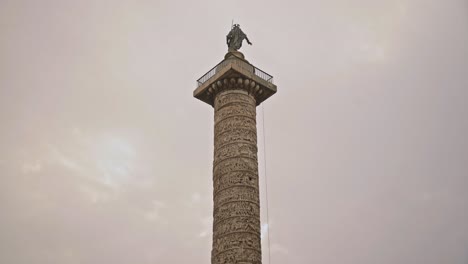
(235, 164)
(235, 150)
(233, 122)
(237, 193)
(234, 110)
(236, 136)
(236, 240)
(243, 208)
(238, 255)
(236, 178)
(236, 227)
(231, 97)
(237, 224)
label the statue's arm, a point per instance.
(248, 41)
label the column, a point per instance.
(236, 226)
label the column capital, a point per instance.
(235, 73)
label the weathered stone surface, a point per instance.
(234, 122)
(236, 136)
(237, 194)
(236, 178)
(236, 226)
(226, 100)
(231, 150)
(239, 256)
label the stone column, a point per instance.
(234, 88)
(236, 226)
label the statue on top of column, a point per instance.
(235, 37)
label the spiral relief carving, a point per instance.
(236, 227)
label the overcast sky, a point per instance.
(105, 156)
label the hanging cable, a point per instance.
(266, 183)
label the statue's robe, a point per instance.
(236, 37)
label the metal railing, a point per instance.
(263, 75)
(208, 75)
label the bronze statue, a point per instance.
(235, 37)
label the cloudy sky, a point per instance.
(105, 156)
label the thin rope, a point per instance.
(266, 183)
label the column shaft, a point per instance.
(236, 226)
